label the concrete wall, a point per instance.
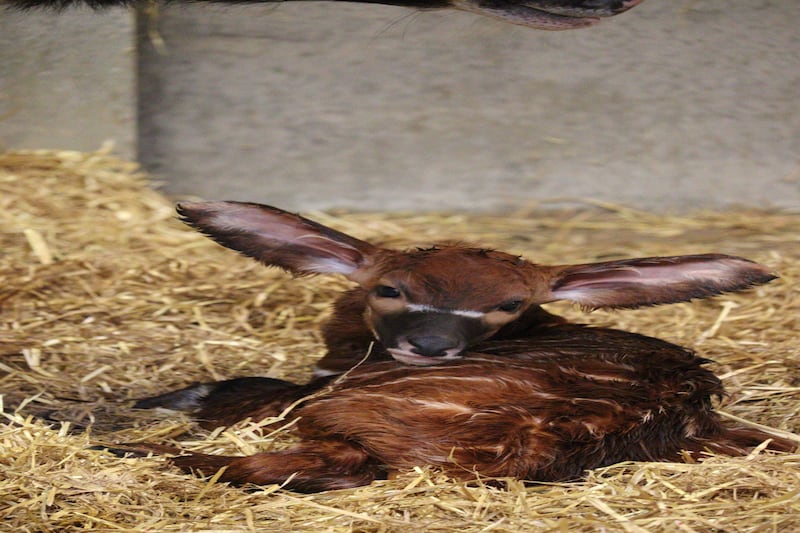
(67, 80)
(673, 105)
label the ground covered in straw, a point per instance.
(105, 297)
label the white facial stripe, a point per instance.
(413, 359)
(419, 308)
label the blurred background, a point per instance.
(672, 106)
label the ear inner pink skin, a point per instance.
(278, 238)
(655, 280)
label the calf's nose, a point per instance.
(432, 345)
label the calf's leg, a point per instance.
(311, 466)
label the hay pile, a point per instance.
(106, 297)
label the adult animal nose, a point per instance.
(432, 345)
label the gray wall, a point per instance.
(672, 105)
(67, 80)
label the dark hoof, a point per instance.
(194, 397)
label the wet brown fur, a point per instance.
(537, 398)
(544, 409)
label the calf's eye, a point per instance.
(511, 306)
(385, 291)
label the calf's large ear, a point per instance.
(279, 238)
(632, 283)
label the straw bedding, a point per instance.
(105, 297)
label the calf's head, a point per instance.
(429, 305)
